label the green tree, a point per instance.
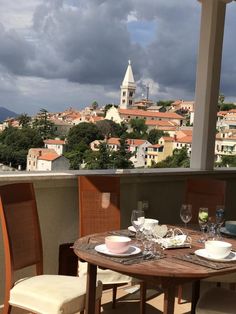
(109, 128)
(154, 136)
(24, 120)
(179, 159)
(121, 158)
(100, 159)
(227, 106)
(227, 161)
(15, 143)
(76, 156)
(94, 105)
(45, 127)
(164, 103)
(139, 128)
(83, 133)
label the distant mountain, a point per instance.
(5, 113)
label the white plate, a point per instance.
(227, 232)
(203, 253)
(101, 248)
(131, 228)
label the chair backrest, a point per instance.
(20, 227)
(205, 193)
(99, 204)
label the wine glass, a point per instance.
(137, 220)
(203, 220)
(186, 213)
(220, 218)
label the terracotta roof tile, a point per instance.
(143, 113)
(54, 142)
(48, 156)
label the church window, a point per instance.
(124, 93)
(123, 101)
(130, 102)
(130, 94)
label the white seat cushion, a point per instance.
(51, 294)
(217, 301)
(106, 276)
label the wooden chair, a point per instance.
(203, 192)
(46, 294)
(99, 211)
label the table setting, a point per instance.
(146, 240)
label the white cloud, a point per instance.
(59, 52)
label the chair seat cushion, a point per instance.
(217, 301)
(51, 294)
(106, 276)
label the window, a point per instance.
(130, 102)
(124, 93)
(130, 94)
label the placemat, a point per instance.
(192, 258)
(128, 260)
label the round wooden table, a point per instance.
(169, 271)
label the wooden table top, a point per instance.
(168, 268)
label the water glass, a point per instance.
(203, 221)
(220, 218)
(137, 221)
(186, 213)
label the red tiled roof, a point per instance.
(48, 156)
(186, 139)
(54, 142)
(113, 141)
(222, 113)
(134, 142)
(154, 114)
(159, 122)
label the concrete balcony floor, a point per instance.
(128, 302)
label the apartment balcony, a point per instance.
(57, 199)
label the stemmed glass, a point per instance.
(137, 220)
(220, 218)
(203, 220)
(186, 213)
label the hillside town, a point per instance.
(167, 127)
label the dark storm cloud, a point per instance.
(173, 52)
(15, 52)
(88, 42)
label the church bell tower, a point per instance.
(127, 88)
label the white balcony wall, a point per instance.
(57, 199)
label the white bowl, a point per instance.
(117, 244)
(218, 249)
(150, 223)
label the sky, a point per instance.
(56, 54)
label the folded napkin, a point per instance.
(175, 242)
(192, 258)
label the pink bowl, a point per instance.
(117, 244)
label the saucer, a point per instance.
(203, 253)
(227, 232)
(133, 250)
